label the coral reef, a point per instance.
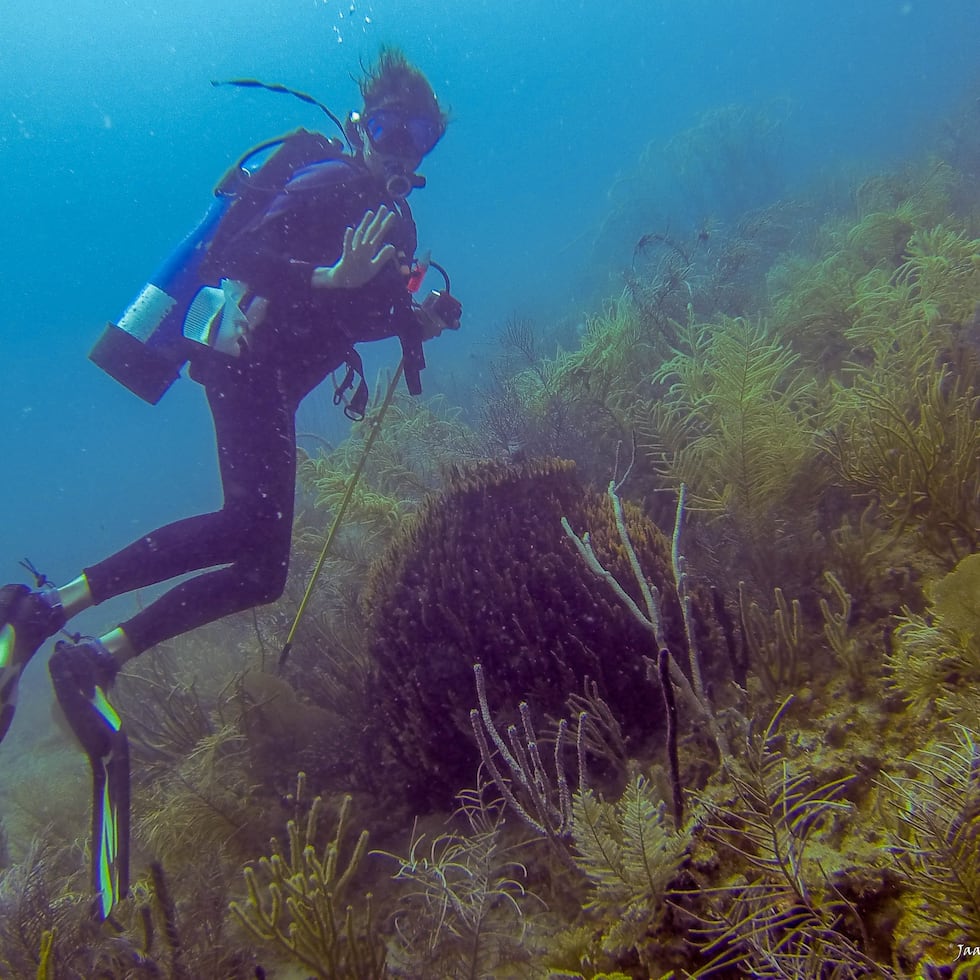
(46, 928)
(570, 405)
(803, 378)
(731, 421)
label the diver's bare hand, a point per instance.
(365, 253)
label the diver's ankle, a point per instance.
(75, 597)
(117, 643)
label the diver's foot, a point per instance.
(28, 617)
(82, 673)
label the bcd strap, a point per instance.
(414, 361)
(355, 408)
(254, 186)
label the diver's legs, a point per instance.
(250, 535)
(187, 545)
(255, 432)
(28, 617)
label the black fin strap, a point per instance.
(40, 578)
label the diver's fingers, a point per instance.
(379, 225)
(371, 226)
(348, 241)
(361, 230)
(385, 255)
(379, 237)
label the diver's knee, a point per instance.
(265, 583)
(270, 591)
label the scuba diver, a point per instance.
(302, 256)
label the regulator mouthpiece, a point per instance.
(401, 185)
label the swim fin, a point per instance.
(110, 825)
(27, 618)
(81, 674)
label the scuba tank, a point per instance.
(153, 339)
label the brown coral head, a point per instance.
(486, 574)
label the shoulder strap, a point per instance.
(261, 174)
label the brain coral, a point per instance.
(486, 574)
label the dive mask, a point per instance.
(393, 131)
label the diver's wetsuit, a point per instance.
(305, 335)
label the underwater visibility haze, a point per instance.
(649, 642)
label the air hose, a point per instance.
(341, 510)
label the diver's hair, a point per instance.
(394, 80)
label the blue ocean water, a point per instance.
(111, 138)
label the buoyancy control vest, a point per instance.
(156, 334)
